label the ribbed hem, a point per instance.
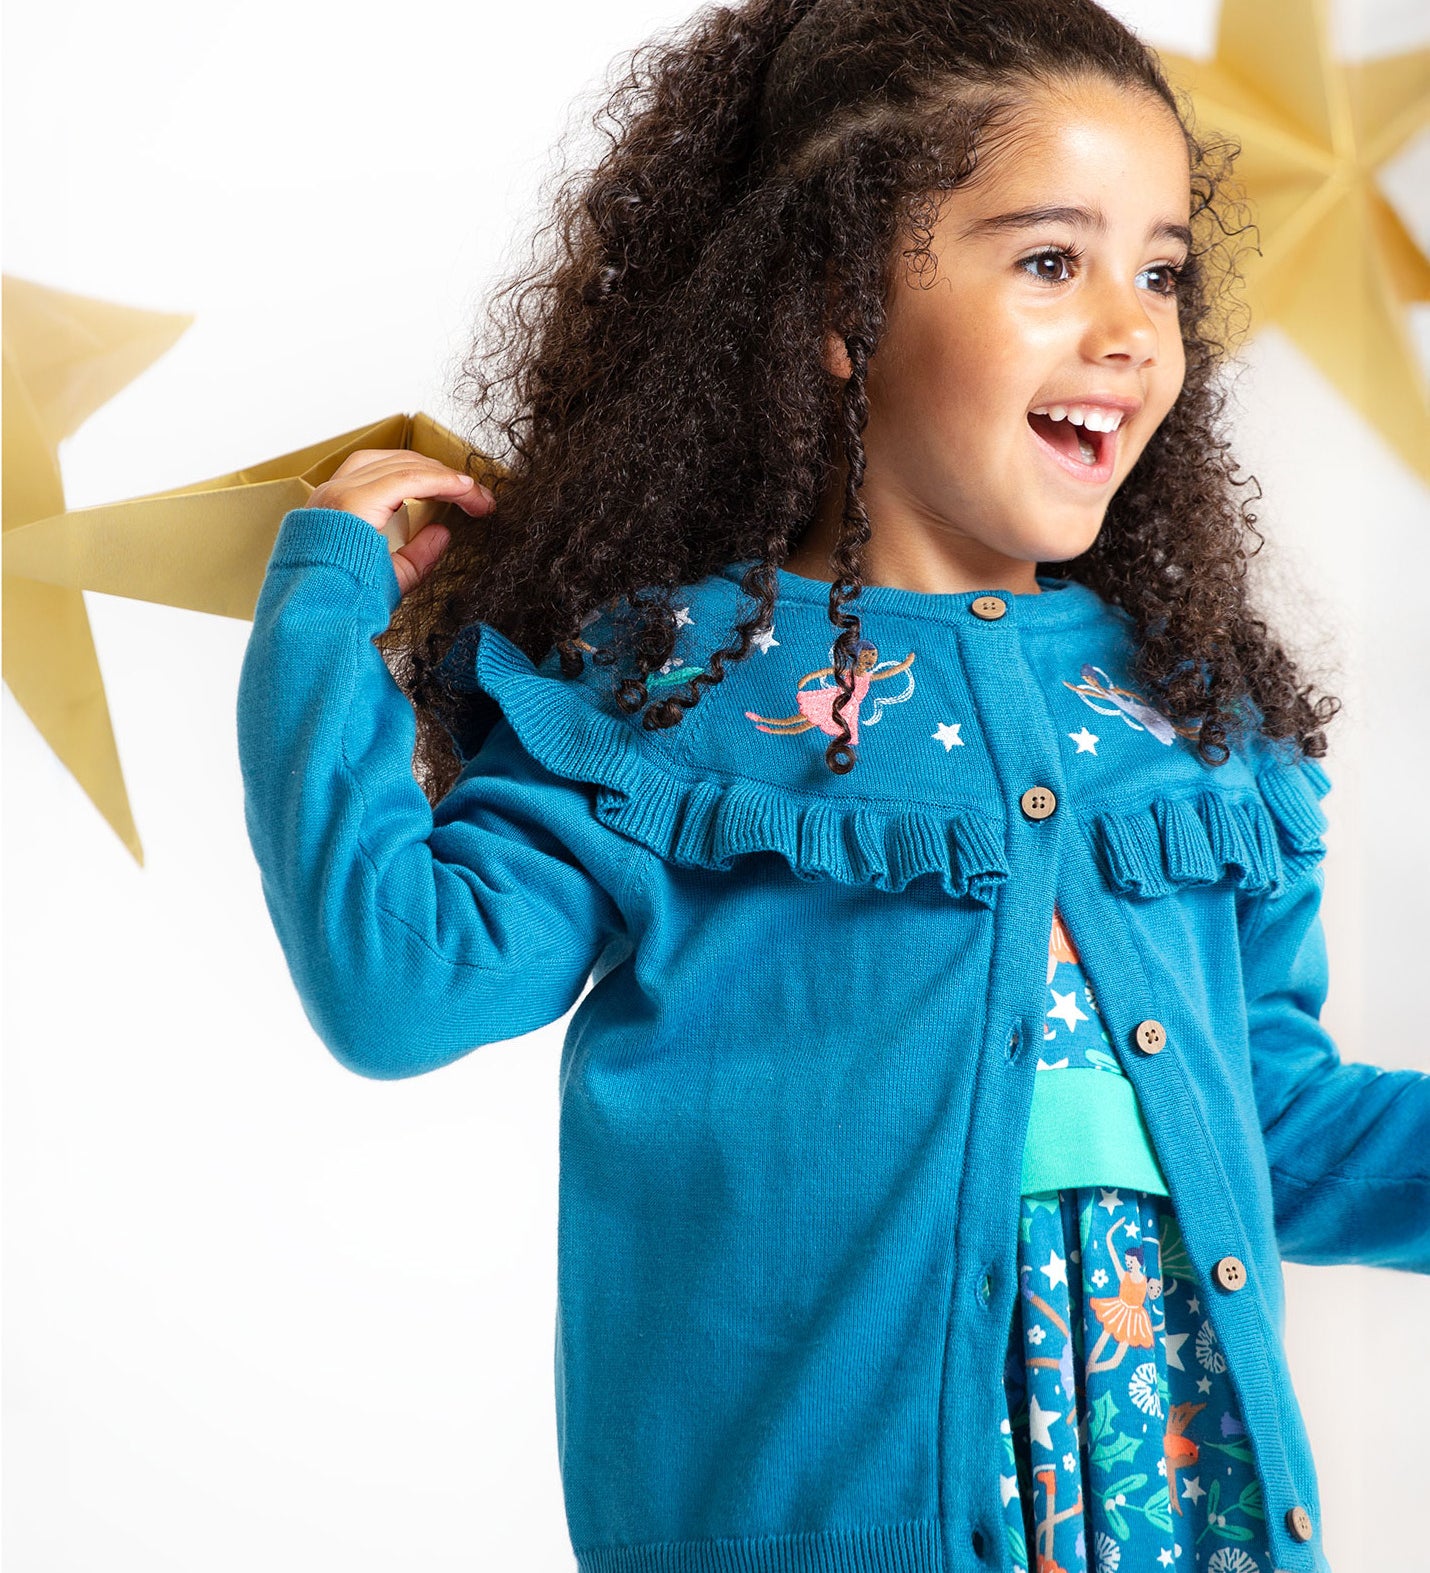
(335, 538)
(887, 1548)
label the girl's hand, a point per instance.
(376, 483)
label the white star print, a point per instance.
(1194, 1305)
(682, 616)
(1008, 1484)
(1204, 1386)
(1193, 1488)
(1056, 1065)
(1174, 1342)
(1165, 1557)
(1040, 1422)
(1110, 1200)
(947, 734)
(764, 640)
(1086, 741)
(1066, 1009)
(1056, 1269)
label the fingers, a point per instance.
(374, 484)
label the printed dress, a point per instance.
(1124, 1449)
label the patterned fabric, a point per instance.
(1085, 1127)
(1123, 1447)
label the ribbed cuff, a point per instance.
(335, 538)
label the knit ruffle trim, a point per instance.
(1265, 839)
(698, 822)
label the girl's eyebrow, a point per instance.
(1085, 218)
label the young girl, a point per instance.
(951, 1085)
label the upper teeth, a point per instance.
(1093, 415)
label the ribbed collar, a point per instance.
(1062, 603)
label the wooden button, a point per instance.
(1038, 802)
(1231, 1274)
(1298, 1521)
(988, 607)
(1150, 1036)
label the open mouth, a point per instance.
(1079, 450)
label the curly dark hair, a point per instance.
(658, 406)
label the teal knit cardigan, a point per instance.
(794, 1096)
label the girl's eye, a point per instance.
(1172, 275)
(1046, 265)
(1052, 256)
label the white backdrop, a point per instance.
(258, 1310)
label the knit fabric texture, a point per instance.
(794, 1096)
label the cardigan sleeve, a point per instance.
(1348, 1144)
(412, 935)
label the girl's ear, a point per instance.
(836, 357)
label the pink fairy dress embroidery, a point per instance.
(816, 704)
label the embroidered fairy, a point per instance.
(816, 705)
(1132, 707)
(674, 671)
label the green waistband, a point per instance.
(1086, 1128)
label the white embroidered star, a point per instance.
(1086, 741)
(1056, 1269)
(764, 640)
(1040, 1422)
(1110, 1200)
(1193, 1488)
(1174, 1342)
(1066, 1009)
(682, 616)
(947, 734)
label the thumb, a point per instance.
(413, 562)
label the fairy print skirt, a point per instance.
(1123, 1447)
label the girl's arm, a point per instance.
(1348, 1144)
(413, 936)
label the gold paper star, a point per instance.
(203, 547)
(64, 356)
(1338, 267)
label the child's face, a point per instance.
(959, 484)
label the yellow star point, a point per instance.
(64, 356)
(1337, 267)
(203, 547)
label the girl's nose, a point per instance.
(1119, 323)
